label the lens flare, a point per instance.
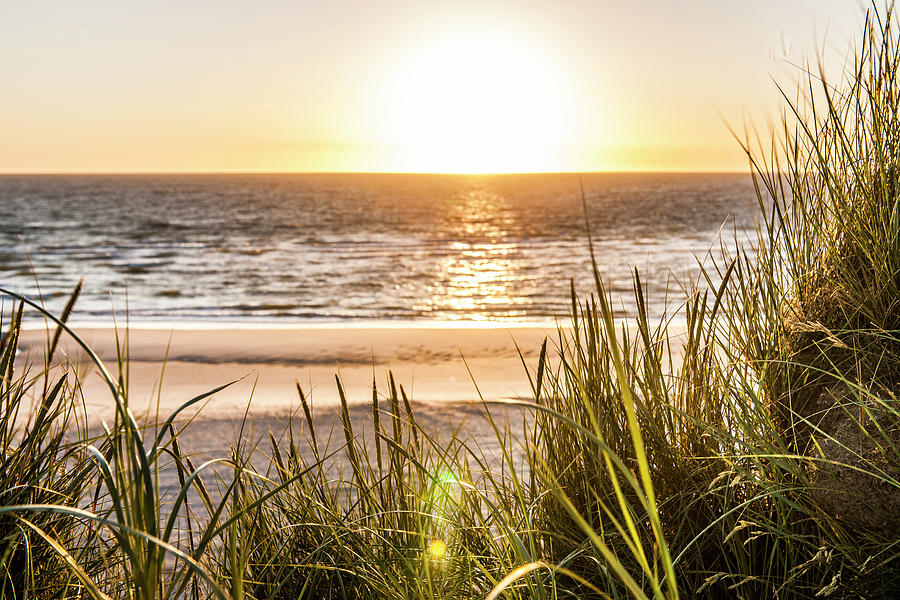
(437, 550)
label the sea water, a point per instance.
(349, 248)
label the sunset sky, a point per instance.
(399, 86)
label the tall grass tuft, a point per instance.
(826, 341)
(38, 465)
(119, 529)
(771, 423)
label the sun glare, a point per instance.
(477, 101)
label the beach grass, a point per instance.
(753, 452)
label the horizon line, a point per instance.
(462, 173)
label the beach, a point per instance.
(445, 369)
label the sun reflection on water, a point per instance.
(477, 275)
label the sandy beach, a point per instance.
(438, 365)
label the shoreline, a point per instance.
(32, 322)
(444, 371)
(435, 366)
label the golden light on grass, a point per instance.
(477, 100)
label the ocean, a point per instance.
(352, 248)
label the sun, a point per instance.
(477, 100)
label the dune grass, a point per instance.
(753, 452)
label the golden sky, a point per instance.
(399, 86)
